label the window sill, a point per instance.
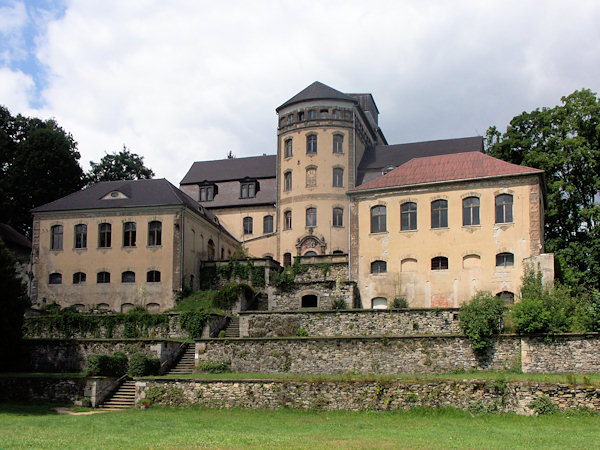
(377, 233)
(79, 249)
(103, 248)
(499, 224)
(440, 270)
(409, 231)
(440, 229)
(56, 250)
(471, 227)
(154, 246)
(128, 247)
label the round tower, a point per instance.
(316, 156)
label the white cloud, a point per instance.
(13, 19)
(15, 91)
(180, 81)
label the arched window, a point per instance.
(439, 263)
(338, 252)
(505, 259)
(155, 233)
(55, 278)
(504, 208)
(210, 249)
(507, 296)
(287, 181)
(439, 214)
(267, 224)
(287, 259)
(378, 219)
(379, 303)
(128, 277)
(338, 217)
(311, 217)
(81, 236)
(471, 211)
(338, 177)
(408, 216)
(247, 225)
(153, 276)
(56, 237)
(378, 267)
(79, 278)
(338, 143)
(311, 144)
(311, 176)
(104, 233)
(129, 231)
(287, 220)
(103, 277)
(288, 148)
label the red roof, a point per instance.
(457, 166)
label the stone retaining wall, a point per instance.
(326, 292)
(66, 355)
(388, 355)
(577, 353)
(360, 322)
(35, 388)
(474, 395)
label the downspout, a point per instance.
(354, 185)
(181, 249)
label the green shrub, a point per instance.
(285, 280)
(302, 332)
(221, 334)
(399, 303)
(339, 303)
(214, 367)
(166, 396)
(99, 365)
(543, 405)
(226, 297)
(193, 322)
(543, 309)
(481, 320)
(141, 365)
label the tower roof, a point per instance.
(317, 91)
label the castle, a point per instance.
(433, 222)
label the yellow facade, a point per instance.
(471, 250)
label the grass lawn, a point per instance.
(27, 426)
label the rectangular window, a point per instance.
(288, 148)
(155, 233)
(300, 116)
(207, 193)
(287, 181)
(338, 177)
(439, 214)
(311, 144)
(408, 216)
(504, 208)
(338, 143)
(287, 220)
(56, 237)
(129, 231)
(267, 224)
(104, 233)
(471, 211)
(311, 177)
(81, 236)
(378, 219)
(324, 114)
(247, 225)
(312, 114)
(311, 217)
(337, 114)
(248, 190)
(338, 217)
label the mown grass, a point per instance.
(31, 426)
(492, 375)
(198, 301)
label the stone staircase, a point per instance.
(186, 363)
(122, 398)
(233, 329)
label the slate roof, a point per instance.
(452, 167)
(156, 192)
(229, 195)
(231, 169)
(317, 91)
(10, 236)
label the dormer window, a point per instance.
(248, 189)
(312, 114)
(207, 191)
(388, 169)
(114, 195)
(300, 116)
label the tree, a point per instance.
(118, 166)
(564, 141)
(13, 302)
(38, 164)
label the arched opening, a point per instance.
(507, 296)
(287, 259)
(153, 308)
(103, 306)
(310, 253)
(126, 307)
(309, 301)
(379, 303)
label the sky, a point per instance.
(180, 81)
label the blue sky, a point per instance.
(179, 81)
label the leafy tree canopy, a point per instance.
(38, 164)
(13, 302)
(118, 166)
(564, 141)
